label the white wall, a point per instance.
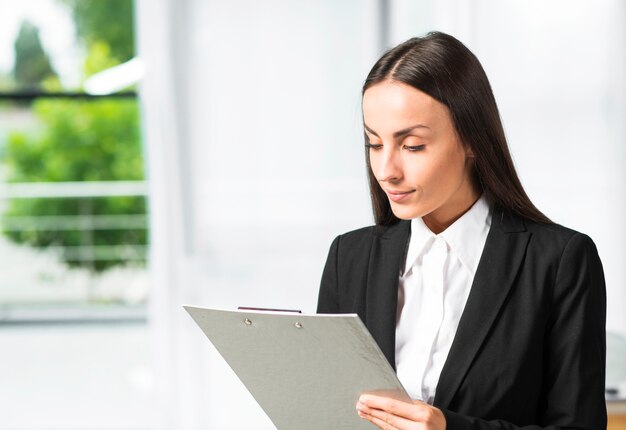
(278, 163)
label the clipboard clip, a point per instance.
(248, 321)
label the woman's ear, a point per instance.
(468, 152)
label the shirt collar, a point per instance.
(420, 237)
(466, 236)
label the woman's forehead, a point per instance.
(390, 106)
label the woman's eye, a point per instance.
(414, 148)
(373, 146)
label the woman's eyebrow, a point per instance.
(398, 133)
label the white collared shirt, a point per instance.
(432, 292)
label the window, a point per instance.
(73, 199)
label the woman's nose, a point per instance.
(388, 166)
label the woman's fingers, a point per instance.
(383, 419)
(377, 421)
(391, 414)
(411, 411)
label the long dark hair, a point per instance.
(442, 67)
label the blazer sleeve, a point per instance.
(574, 348)
(328, 299)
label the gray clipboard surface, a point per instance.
(306, 371)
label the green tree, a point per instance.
(79, 141)
(32, 65)
(109, 22)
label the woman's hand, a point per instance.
(390, 414)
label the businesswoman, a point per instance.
(492, 315)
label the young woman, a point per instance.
(492, 315)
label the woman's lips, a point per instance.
(398, 196)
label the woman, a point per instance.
(492, 315)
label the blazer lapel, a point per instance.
(503, 253)
(383, 274)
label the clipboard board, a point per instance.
(305, 371)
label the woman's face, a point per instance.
(416, 155)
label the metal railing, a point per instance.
(77, 256)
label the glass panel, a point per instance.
(73, 207)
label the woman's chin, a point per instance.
(404, 212)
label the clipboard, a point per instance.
(305, 371)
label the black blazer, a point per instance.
(529, 351)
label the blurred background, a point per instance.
(155, 153)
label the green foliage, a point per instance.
(109, 22)
(78, 141)
(99, 58)
(32, 65)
